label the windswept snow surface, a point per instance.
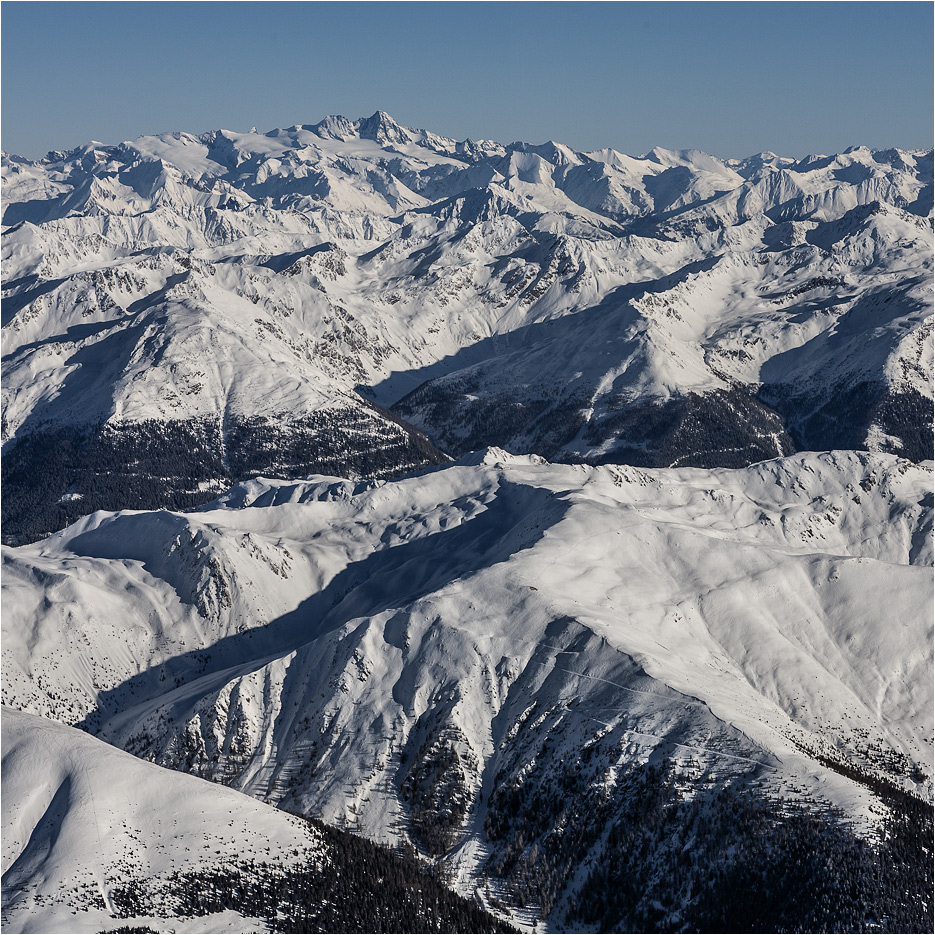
(310, 642)
(671, 308)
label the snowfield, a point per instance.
(246, 294)
(82, 819)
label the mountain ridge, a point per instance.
(106, 847)
(480, 660)
(563, 519)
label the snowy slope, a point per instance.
(94, 839)
(82, 821)
(382, 655)
(243, 295)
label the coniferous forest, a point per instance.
(363, 888)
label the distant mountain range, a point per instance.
(183, 312)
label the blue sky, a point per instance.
(728, 78)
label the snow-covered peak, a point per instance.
(382, 128)
(101, 824)
(263, 492)
(748, 618)
(334, 127)
(493, 456)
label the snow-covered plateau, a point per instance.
(560, 521)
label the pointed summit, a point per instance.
(382, 128)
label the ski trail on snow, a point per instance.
(633, 691)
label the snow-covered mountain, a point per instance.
(659, 681)
(479, 658)
(81, 813)
(185, 311)
(93, 837)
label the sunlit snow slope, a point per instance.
(94, 839)
(83, 821)
(387, 655)
(716, 590)
(185, 311)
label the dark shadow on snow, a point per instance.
(41, 843)
(571, 328)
